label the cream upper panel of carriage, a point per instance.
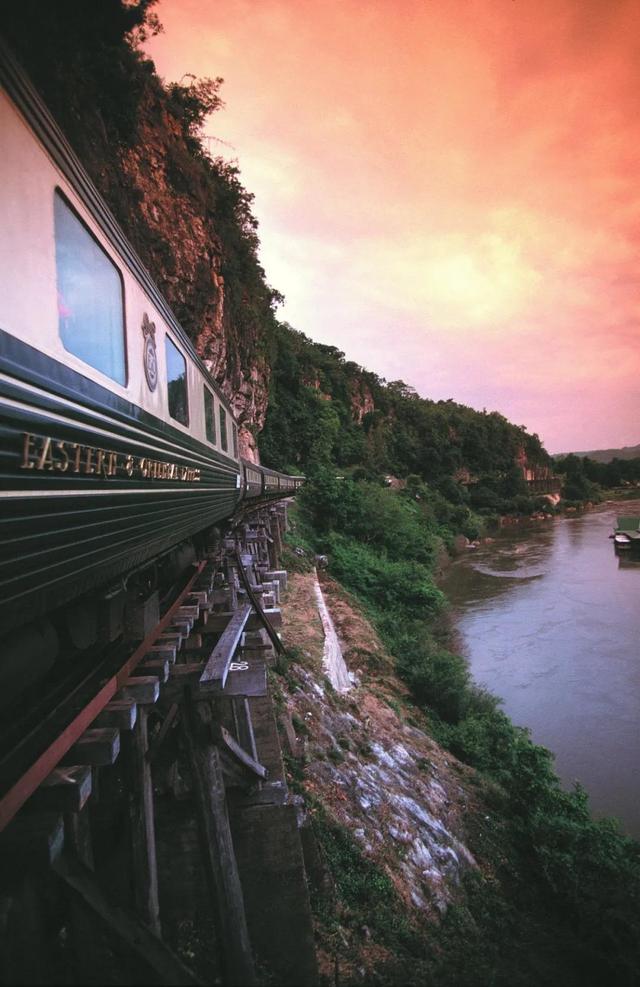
(67, 292)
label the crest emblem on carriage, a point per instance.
(150, 357)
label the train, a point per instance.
(117, 446)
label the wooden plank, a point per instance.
(182, 626)
(193, 642)
(251, 681)
(142, 688)
(98, 746)
(36, 839)
(77, 831)
(118, 713)
(171, 638)
(218, 854)
(168, 723)
(65, 790)
(156, 666)
(262, 614)
(188, 612)
(240, 754)
(166, 651)
(233, 587)
(244, 726)
(153, 953)
(142, 825)
(218, 621)
(217, 666)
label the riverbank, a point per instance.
(424, 869)
(557, 861)
(547, 618)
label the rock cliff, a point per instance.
(185, 213)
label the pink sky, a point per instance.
(448, 190)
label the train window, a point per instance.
(177, 382)
(209, 415)
(223, 429)
(234, 433)
(90, 296)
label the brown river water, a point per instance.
(549, 618)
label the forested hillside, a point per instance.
(324, 409)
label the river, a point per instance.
(549, 619)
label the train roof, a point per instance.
(30, 104)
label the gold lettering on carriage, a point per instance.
(44, 453)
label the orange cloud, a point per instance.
(446, 190)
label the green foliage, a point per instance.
(384, 427)
(381, 544)
(364, 889)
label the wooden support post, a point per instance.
(221, 868)
(143, 836)
(233, 587)
(157, 957)
(77, 830)
(244, 725)
(277, 539)
(273, 637)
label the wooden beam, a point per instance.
(166, 651)
(156, 666)
(153, 953)
(219, 859)
(118, 713)
(240, 754)
(78, 839)
(142, 825)
(98, 746)
(167, 724)
(244, 725)
(273, 637)
(142, 688)
(34, 839)
(65, 790)
(217, 666)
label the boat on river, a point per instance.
(626, 535)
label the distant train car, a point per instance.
(116, 444)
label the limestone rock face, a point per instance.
(185, 255)
(361, 399)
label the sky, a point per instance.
(447, 190)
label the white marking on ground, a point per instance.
(333, 661)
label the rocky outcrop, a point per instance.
(185, 213)
(361, 399)
(386, 781)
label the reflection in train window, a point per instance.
(177, 383)
(234, 432)
(90, 296)
(209, 415)
(223, 429)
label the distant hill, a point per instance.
(606, 455)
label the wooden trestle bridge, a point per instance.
(159, 810)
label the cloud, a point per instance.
(449, 195)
